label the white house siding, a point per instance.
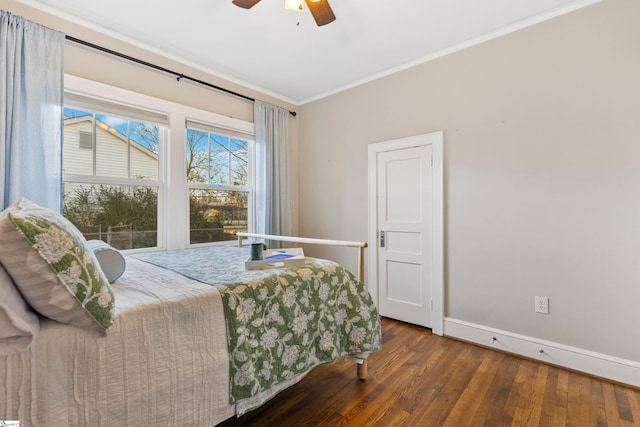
(111, 153)
(76, 160)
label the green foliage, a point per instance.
(127, 217)
(124, 216)
(78, 207)
(207, 225)
(114, 205)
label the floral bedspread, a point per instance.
(280, 322)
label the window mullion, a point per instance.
(229, 161)
(95, 146)
(129, 149)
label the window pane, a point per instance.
(197, 156)
(239, 162)
(215, 216)
(219, 160)
(125, 216)
(77, 155)
(101, 145)
(112, 146)
(143, 146)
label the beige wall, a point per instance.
(542, 173)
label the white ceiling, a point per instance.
(265, 49)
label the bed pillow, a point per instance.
(112, 262)
(53, 267)
(18, 323)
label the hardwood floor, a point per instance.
(419, 379)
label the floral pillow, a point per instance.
(57, 273)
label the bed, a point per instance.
(187, 343)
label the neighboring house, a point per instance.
(110, 148)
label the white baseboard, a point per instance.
(600, 365)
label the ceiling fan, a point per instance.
(320, 9)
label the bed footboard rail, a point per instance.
(327, 242)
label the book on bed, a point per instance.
(278, 258)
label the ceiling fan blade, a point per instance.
(321, 11)
(245, 4)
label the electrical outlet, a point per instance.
(542, 305)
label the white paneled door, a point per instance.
(407, 232)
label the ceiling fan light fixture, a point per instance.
(320, 9)
(295, 5)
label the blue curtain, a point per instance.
(272, 182)
(31, 97)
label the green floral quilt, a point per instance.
(281, 322)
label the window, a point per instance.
(125, 158)
(218, 179)
(110, 177)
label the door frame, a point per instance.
(436, 140)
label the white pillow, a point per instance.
(111, 260)
(18, 324)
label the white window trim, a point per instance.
(172, 174)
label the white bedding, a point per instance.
(149, 369)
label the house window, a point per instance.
(218, 166)
(129, 188)
(111, 175)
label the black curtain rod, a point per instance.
(165, 70)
